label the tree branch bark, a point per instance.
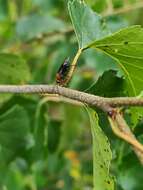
(101, 102)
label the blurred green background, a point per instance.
(46, 145)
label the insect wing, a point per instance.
(64, 68)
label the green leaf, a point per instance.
(88, 25)
(107, 85)
(13, 70)
(126, 47)
(102, 155)
(33, 26)
(71, 133)
(54, 132)
(14, 132)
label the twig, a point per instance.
(73, 66)
(42, 36)
(137, 146)
(124, 9)
(109, 6)
(122, 130)
(57, 98)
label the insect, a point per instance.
(62, 74)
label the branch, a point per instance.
(118, 124)
(124, 9)
(104, 104)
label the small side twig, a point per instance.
(122, 130)
(57, 98)
(124, 9)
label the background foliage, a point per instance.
(49, 145)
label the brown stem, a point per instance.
(122, 130)
(89, 99)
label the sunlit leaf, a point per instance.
(126, 47)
